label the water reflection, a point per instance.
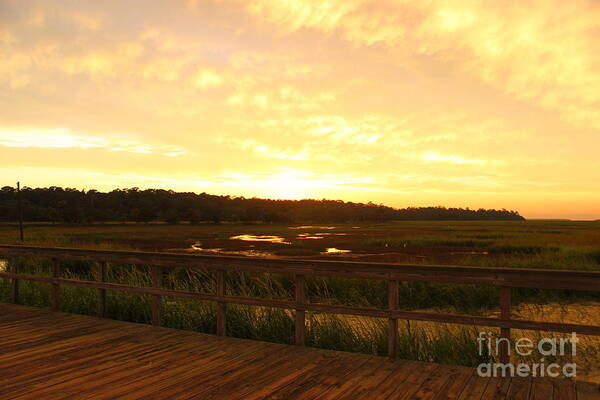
(319, 235)
(258, 238)
(198, 247)
(218, 250)
(309, 236)
(333, 250)
(311, 227)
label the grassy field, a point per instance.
(530, 244)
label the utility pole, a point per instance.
(20, 205)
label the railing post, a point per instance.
(299, 314)
(393, 322)
(505, 313)
(15, 282)
(101, 308)
(156, 298)
(55, 301)
(221, 322)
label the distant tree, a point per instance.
(172, 216)
(193, 216)
(73, 206)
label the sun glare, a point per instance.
(291, 186)
(460, 103)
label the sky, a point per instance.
(492, 104)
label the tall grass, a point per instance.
(365, 335)
(530, 244)
(423, 341)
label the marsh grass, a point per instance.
(562, 257)
(430, 342)
(326, 331)
(483, 242)
(522, 249)
(529, 244)
(427, 241)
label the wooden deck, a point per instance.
(49, 355)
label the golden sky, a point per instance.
(407, 103)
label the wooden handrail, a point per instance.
(510, 277)
(505, 278)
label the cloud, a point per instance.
(283, 99)
(451, 158)
(425, 98)
(527, 52)
(63, 138)
(265, 150)
(358, 21)
(206, 79)
(352, 139)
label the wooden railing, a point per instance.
(504, 278)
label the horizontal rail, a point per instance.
(505, 277)
(323, 308)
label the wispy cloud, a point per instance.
(451, 158)
(454, 102)
(525, 52)
(63, 138)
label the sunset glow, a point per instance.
(454, 103)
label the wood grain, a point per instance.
(156, 273)
(14, 287)
(221, 322)
(299, 313)
(393, 322)
(53, 355)
(101, 306)
(505, 312)
(55, 296)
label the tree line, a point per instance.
(55, 204)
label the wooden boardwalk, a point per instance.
(49, 355)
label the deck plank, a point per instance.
(542, 389)
(475, 388)
(587, 391)
(520, 388)
(497, 389)
(410, 383)
(456, 385)
(53, 355)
